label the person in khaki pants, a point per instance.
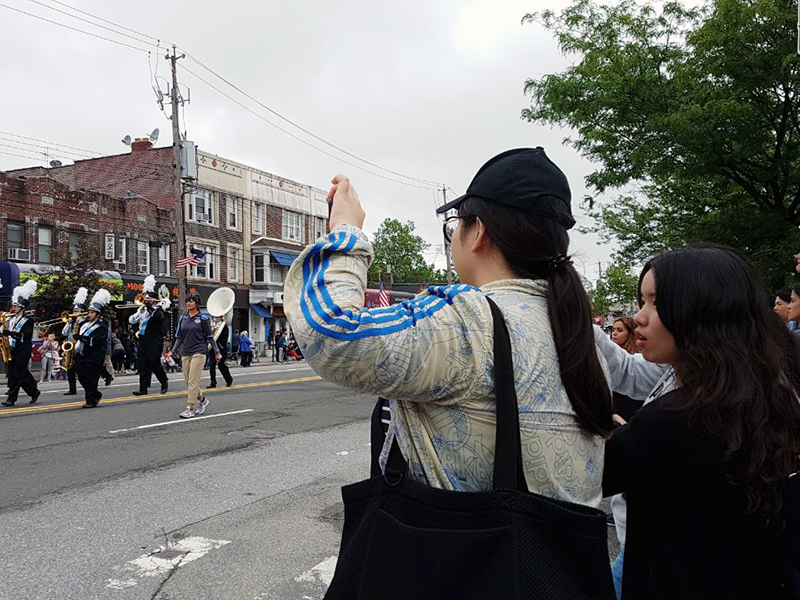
(192, 339)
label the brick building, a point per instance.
(249, 224)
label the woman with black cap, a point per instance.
(192, 339)
(432, 356)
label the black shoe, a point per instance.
(7, 403)
(164, 388)
(70, 393)
(140, 393)
(35, 398)
(109, 380)
(89, 405)
(229, 383)
(211, 385)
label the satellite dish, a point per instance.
(126, 140)
(154, 136)
(56, 163)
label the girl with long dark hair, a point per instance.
(432, 356)
(705, 466)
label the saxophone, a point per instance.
(5, 345)
(68, 349)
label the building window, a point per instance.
(201, 207)
(163, 259)
(122, 250)
(15, 231)
(45, 245)
(74, 246)
(278, 273)
(143, 257)
(258, 217)
(260, 265)
(204, 270)
(233, 264)
(233, 212)
(319, 230)
(292, 226)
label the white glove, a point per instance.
(164, 304)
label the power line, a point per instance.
(50, 143)
(44, 149)
(306, 131)
(21, 156)
(63, 12)
(73, 28)
(299, 139)
(427, 183)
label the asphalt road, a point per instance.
(126, 501)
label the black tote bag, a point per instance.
(405, 540)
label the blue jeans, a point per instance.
(616, 571)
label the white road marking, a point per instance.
(134, 383)
(149, 565)
(344, 453)
(322, 573)
(235, 412)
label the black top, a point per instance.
(154, 330)
(94, 343)
(222, 341)
(23, 340)
(686, 536)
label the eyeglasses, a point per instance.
(451, 223)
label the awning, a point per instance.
(284, 258)
(260, 311)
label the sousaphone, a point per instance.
(220, 304)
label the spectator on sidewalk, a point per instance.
(245, 349)
(117, 354)
(781, 306)
(280, 345)
(49, 352)
(235, 342)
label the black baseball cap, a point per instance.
(524, 179)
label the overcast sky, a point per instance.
(427, 89)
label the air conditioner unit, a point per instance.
(277, 298)
(22, 254)
(203, 217)
(141, 269)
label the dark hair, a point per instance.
(796, 290)
(784, 294)
(528, 243)
(630, 327)
(194, 297)
(738, 368)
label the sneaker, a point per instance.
(200, 407)
(187, 414)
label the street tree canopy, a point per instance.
(399, 250)
(618, 286)
(691, 115)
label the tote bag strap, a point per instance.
(508, 471)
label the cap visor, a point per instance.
(450, 205)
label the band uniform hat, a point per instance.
(21, 302)
(525, 179)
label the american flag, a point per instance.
(383, 297)
(194, 260)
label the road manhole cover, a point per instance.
(170, 554)
(256, 434)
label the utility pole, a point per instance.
(447, 246)
(176, 177)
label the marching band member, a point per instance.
(90, 349)
(222, 344)
(20, 329)
(78, 305)
(151, 338)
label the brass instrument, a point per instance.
(220, 304)
(64, 318)
(140, 300)
(5, 345)
(68, 348)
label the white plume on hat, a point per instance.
(26, 290)
(80, 296)
(149, 284)
(100, 299)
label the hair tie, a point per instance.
(558, 262)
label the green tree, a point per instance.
(691, 115)
(618, 286)
(399, 249)
(56, 291)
